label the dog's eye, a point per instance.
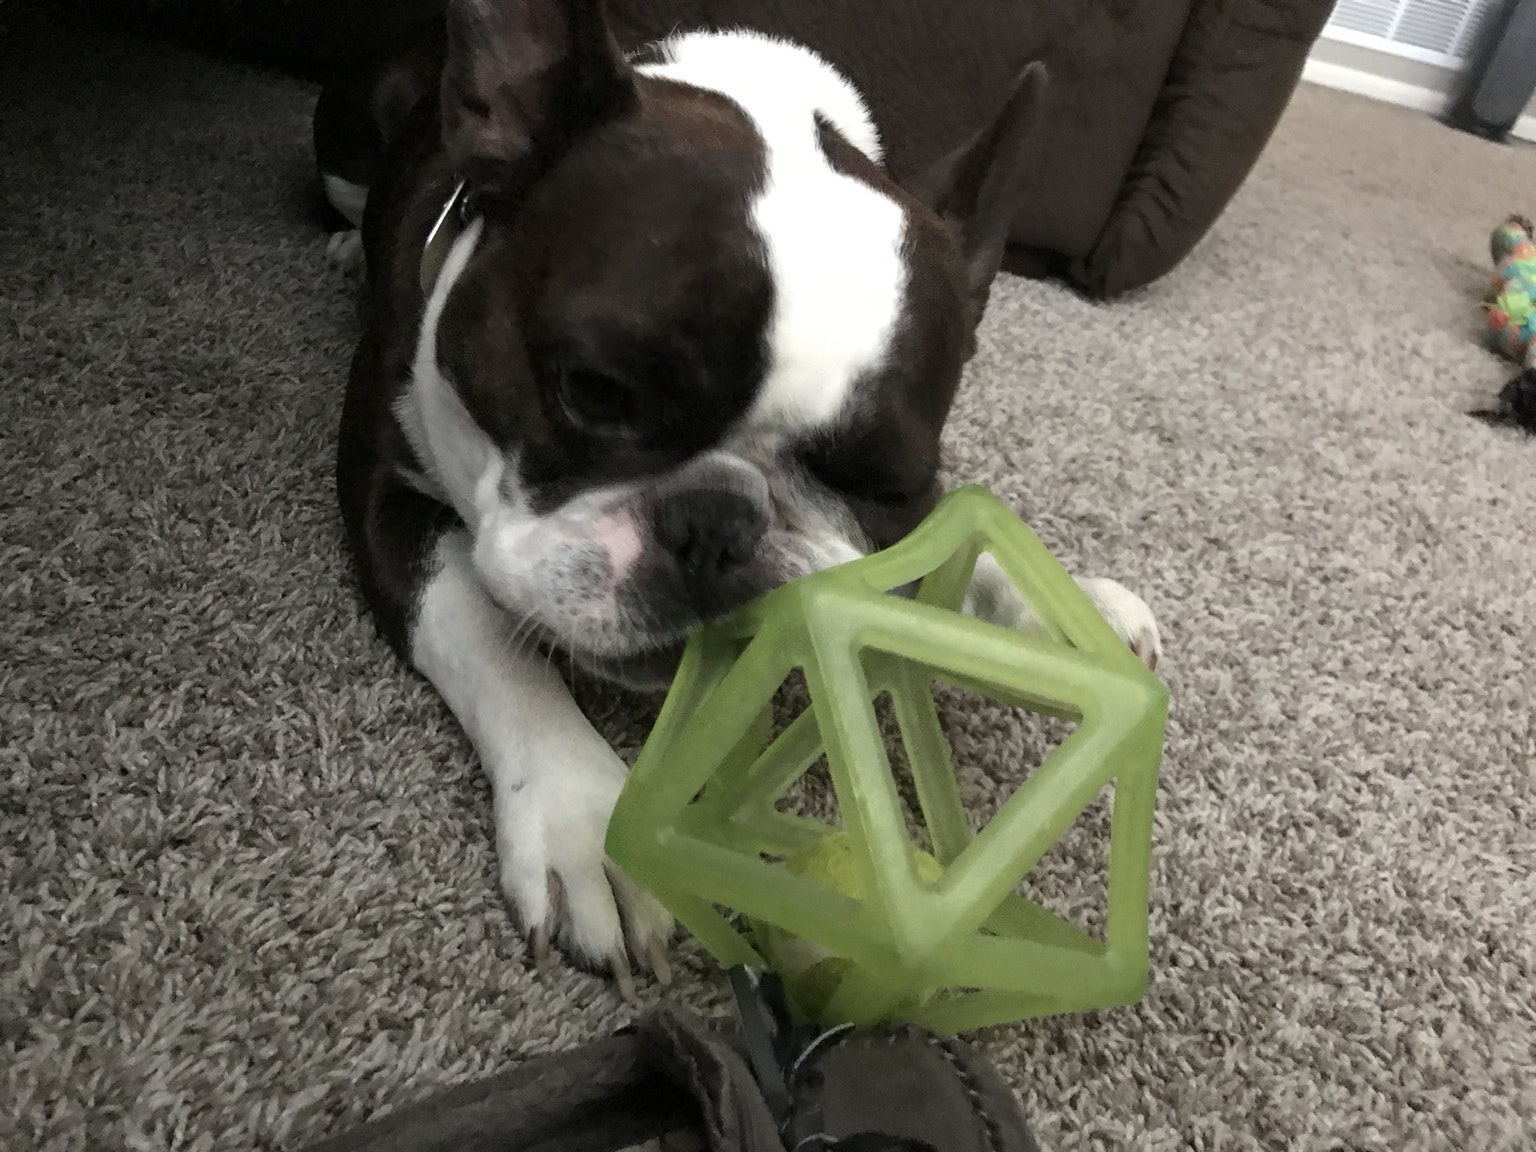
(595, 402)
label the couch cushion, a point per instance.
(1233, 74)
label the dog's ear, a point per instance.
(979, 185)
(521, 80)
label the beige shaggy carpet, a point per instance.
(246, 888)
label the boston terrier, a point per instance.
(644, 338)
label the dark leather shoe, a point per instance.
(759, 1083)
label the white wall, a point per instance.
(1395, 79)
(1384, 64)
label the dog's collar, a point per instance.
(449, 226)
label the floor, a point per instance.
(244, 860)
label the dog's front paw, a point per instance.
(344, 250)
(1129, 616)
(993, 597)
(560, 882)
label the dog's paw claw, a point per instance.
(540, 947)
(564, 890)
(647, 925)
(657, 961)
(623, 977)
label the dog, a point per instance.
(643, 338)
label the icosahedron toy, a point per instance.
(699, 823)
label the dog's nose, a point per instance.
(710, 531)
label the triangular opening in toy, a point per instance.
(997, 749)
(780, 761)
(999, 595)
(995, 745)
(812, 796)
(1072, 878)
(901, 770)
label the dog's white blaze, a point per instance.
(833, 244)
(765, 75)
(452, 447)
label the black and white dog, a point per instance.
(644, 339)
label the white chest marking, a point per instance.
(347, 198)
(832, 243)
(455, 451)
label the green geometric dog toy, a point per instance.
(950, 946)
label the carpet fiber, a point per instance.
(246, 888)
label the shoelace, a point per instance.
(779, 1052)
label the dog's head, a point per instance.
(703, 341)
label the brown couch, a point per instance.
(1160, 107)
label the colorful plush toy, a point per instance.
(1510, 304)
(1510, 308)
